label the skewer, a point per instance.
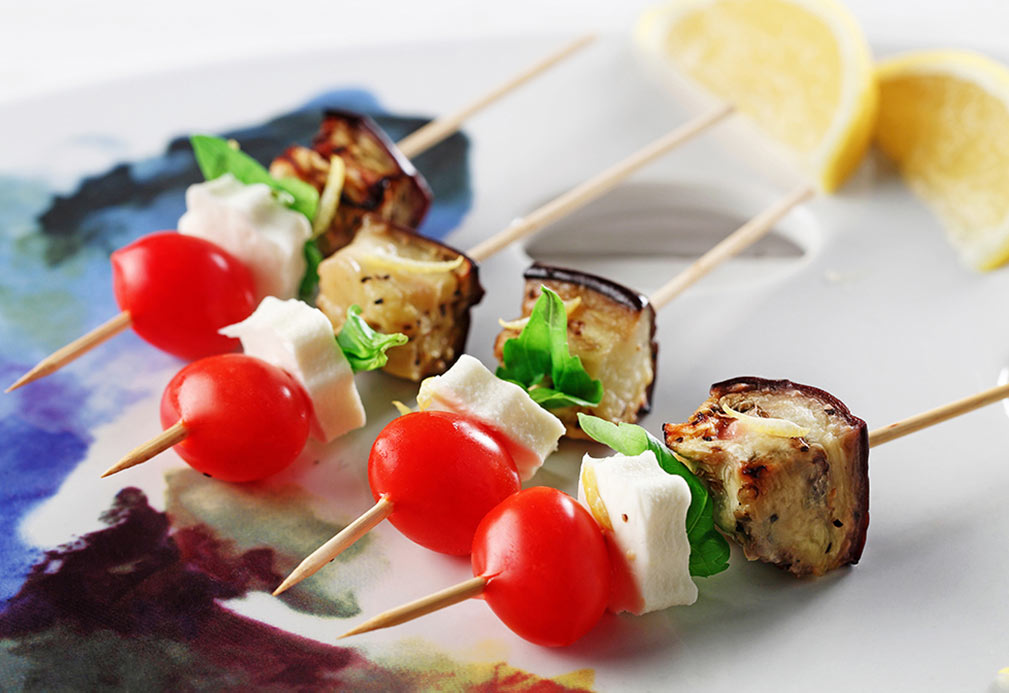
(420, 607)
(584, 193)
(475, 586)
(338, 544)
(173, 435)
(64, 355)
(740, 239)
(412, 145)
(437, 130)
(937, 415)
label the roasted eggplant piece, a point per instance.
(788, 469)
(379, 179)
(405, 283)
(613, 332)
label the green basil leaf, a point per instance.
(310, 282)
(540, 354)
(709, 551)
(215, 157)
(364, 347)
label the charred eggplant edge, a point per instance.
(405, 165)
(744, 383)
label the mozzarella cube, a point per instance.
(642, 511)
(299, 339)
(530, 432)
(251, 224)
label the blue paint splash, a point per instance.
(55, 284)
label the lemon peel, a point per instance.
(570, 306)
(329, 200)
(779, 428)
(411, 266)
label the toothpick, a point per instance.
(173, 435)
(591, 189)
(740, 239)
(342, 541)
(64, 355)
(437, 130)
(937, 415)
(421, 607)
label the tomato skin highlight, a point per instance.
(443, 473)
(547, 566)
(180, 290)
(246, 419)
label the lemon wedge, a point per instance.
(943, 118)
(779, 428)
(801, 69)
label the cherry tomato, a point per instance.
(442, 472)
(246, 419)
(180, 290)
(546, 563)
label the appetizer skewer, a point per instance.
(767, 446)
(266, 282)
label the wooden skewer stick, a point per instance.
(173, 435)
(937, 415)
(584, 193)
(342, 541)
(437, 130)
(730, 246)
(64, 355)
(420, 607)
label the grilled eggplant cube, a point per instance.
(788, 468)
(405, 283)
(613, 332)
(379, 179)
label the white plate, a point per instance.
(864, 299)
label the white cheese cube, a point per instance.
(642, 511)
(299, 339)
(531, 433)
(251, 224)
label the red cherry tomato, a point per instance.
(180, 290)
(442, 472)
(245, 418)
(546, 563)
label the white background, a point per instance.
(53, 44)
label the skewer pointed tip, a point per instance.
(64, 355)
(284, 586)
(420, 607)
(340, 542)
(23, 380)
(173, 435)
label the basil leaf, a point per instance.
(709, 551)
(310, 282)
(364, 347)
(540, 354)
(216, 157)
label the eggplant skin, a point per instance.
(380, 180)
(799, 503)
(612, 331)
(433, 310)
